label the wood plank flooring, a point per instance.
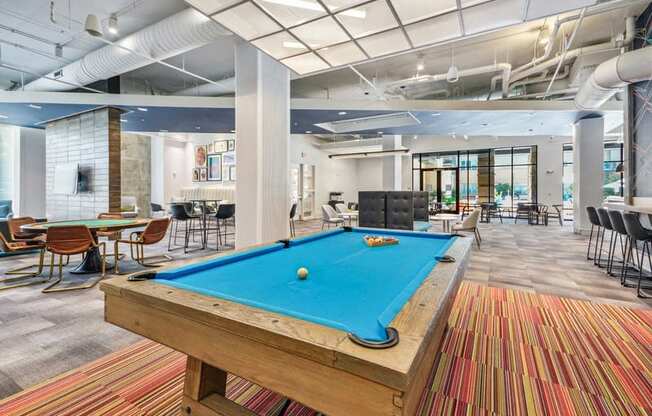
(42, 335)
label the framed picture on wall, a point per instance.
(202, 174)
(232, 172)
(228, 158)
(231, 145)
(220, 146)
(200, 156)
(195, 175)
(209, 148)
(215, 167)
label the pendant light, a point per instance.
(92, 26)
(453, 74)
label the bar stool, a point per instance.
(638, 234)
(595, 222)
(605, 223)
(618, 225)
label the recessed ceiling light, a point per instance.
(38, 107)
(123, 120)
(466, 137)
(141, 109)
(342, 113)
(435, 114)
(3, 116)
(197, 127)
(380, 132)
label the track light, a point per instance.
(92, 26)
(113, 24)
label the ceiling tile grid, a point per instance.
(315, 35)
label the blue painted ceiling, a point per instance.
(222, 120)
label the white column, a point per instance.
(588, 157)
(392, 167)
(262, 124)
(158, 170)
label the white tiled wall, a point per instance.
(82, 139)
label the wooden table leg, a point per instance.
(204, 392)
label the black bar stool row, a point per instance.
(183, 213)
(629, 242)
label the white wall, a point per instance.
(177, 172)
(370, 174)
(173, 159)
(331, 175)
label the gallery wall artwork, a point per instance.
(200, 156)
(214, 167)
(214, 161)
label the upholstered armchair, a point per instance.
(6, 210)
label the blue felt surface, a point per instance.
(351, 286)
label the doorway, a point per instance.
(443, 185)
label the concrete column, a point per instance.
(262, 123)
(392, 172)
(588, 158)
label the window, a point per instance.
(504, 175)
(613, 179)
(567, 180)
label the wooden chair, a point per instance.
(152, 234)
(69, 241)
(470, 224)
(19, 277)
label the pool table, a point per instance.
(357, 336)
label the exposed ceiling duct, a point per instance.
(174, 35)
(423, 83)
(612, 75)
(224, 86)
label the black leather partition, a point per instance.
(371, 209)
(421, 202)
(399, 210)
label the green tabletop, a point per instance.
(92, 224)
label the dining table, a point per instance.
(445, 219)
(92, 262)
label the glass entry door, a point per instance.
(443, 187)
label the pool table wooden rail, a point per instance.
(313, 364)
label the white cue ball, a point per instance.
(302, 273)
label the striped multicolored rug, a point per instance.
(505, 353)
